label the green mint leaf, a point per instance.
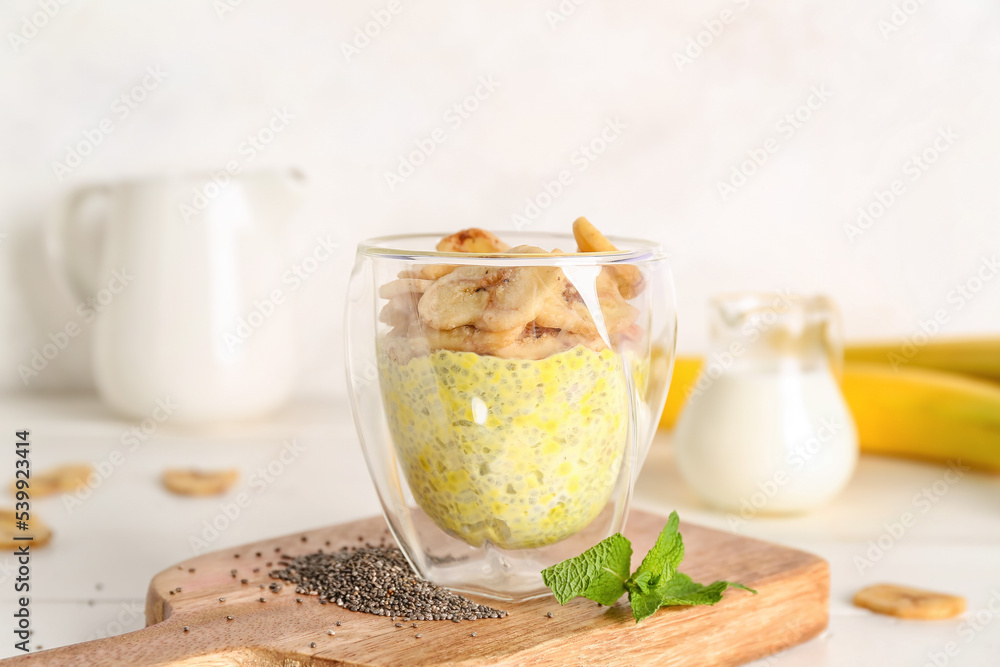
(682, 591)
(598, 574)
(639, 583)
(601, 574)
(643, 603)
(666, 555)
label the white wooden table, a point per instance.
(91, 580)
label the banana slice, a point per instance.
(61, 479)
(491, 298)
(590, 239)
(199, 482)
(472, 240)
(911, 603)
(9, 529)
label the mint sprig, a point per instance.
(601, 574)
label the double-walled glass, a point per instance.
(505, 401)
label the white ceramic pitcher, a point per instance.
(186, 275)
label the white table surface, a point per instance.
(91, 580)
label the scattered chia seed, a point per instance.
(418, 635)
(338, 624)
(222, 599)
(312, 645)
(186, 628)
(236, 555)
(229, 618)
(178, 589)
(378, 580)
(399, 625)
(550, 614)
(258, 554)
(243, 581)
(191, 570)
(256, 569)
(262, 599)
(304, 538)
(473, 634)
(171, 592)
(299, 600)
(233, 572)
(330, 632)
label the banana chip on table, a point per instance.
(199, 482)
(60, 479)
(11, 527)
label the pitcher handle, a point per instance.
(67, 241)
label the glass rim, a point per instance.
(386, 247)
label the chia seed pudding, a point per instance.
(521, 453)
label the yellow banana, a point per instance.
(686, 370)
(973, 356)
(924, 414)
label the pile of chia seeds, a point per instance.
(378, 580)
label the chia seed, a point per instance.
(379, 581)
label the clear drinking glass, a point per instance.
(504, 444)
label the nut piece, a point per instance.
(200, 482)
(61, 479)
(9, 530)
(906, 602)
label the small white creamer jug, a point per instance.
(765, 429)
(180, 263)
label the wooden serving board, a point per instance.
(791, 607)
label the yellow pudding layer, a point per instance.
(520, 453)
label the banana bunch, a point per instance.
(940, 404)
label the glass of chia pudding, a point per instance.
(505, 392)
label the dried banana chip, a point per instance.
(200, 482)
(589, 239)
(61, 479)
(472, 240)
(404, 286)
(10, 528)
(911, 603)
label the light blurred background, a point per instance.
(895, 74)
